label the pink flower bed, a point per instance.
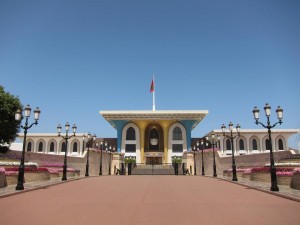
(267, 169)
(2, 170)
(68, 170)
(53, 171)
(27, 169)
(288, 174)
(296, 170)
(248, 171)
(10, 173)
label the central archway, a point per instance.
(154, 138)
(154, 144)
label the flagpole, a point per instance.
(153, 97)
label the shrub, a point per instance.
(49, 164)
(285, 164)
(27, 164)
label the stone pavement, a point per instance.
(284, 190)
(147, 200)
(30, 186)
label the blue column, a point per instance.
(188, 124)
(119, 125)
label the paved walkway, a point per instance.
(145, 200)
(284, 191)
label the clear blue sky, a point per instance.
(74, 58)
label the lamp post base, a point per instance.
(215, 171)
(20, 185)
(100, 173)
(19, 188)
(64, 177)
(87, 170)
(275, 188)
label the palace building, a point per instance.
(154, 136)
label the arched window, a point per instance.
(254, 144)
(75, 147)
(63, 147)
(29, 146)
(268, 146)
(52, 147)
(280, 144)
(228, 144)
(130, 134)
(40, 149)
(177, 134)
(241, 144)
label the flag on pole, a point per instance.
(153, 93)
(152, 86)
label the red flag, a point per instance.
(152, 86)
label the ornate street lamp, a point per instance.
(202, 151)
(279, 112)
(213, 143)
(101, 149)
(66, 138)
(88, 154)
(194, 150)
(109, 163)
(231, 137)
(18, 117)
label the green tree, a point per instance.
(9, 104)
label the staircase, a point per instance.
(167, 169)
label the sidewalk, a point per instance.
(284, 190)
(30, 186)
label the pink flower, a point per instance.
(296, 170)
(2, 170)
(284, 173)
(10, 173)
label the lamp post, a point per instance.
(109, 163)
(279, 112)
(105, 144)
(194, 151)
(66, 138)
(202, 159)
(213, 143)
(18, 117)
(101, 149)
(88, 154)
(231, 137)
